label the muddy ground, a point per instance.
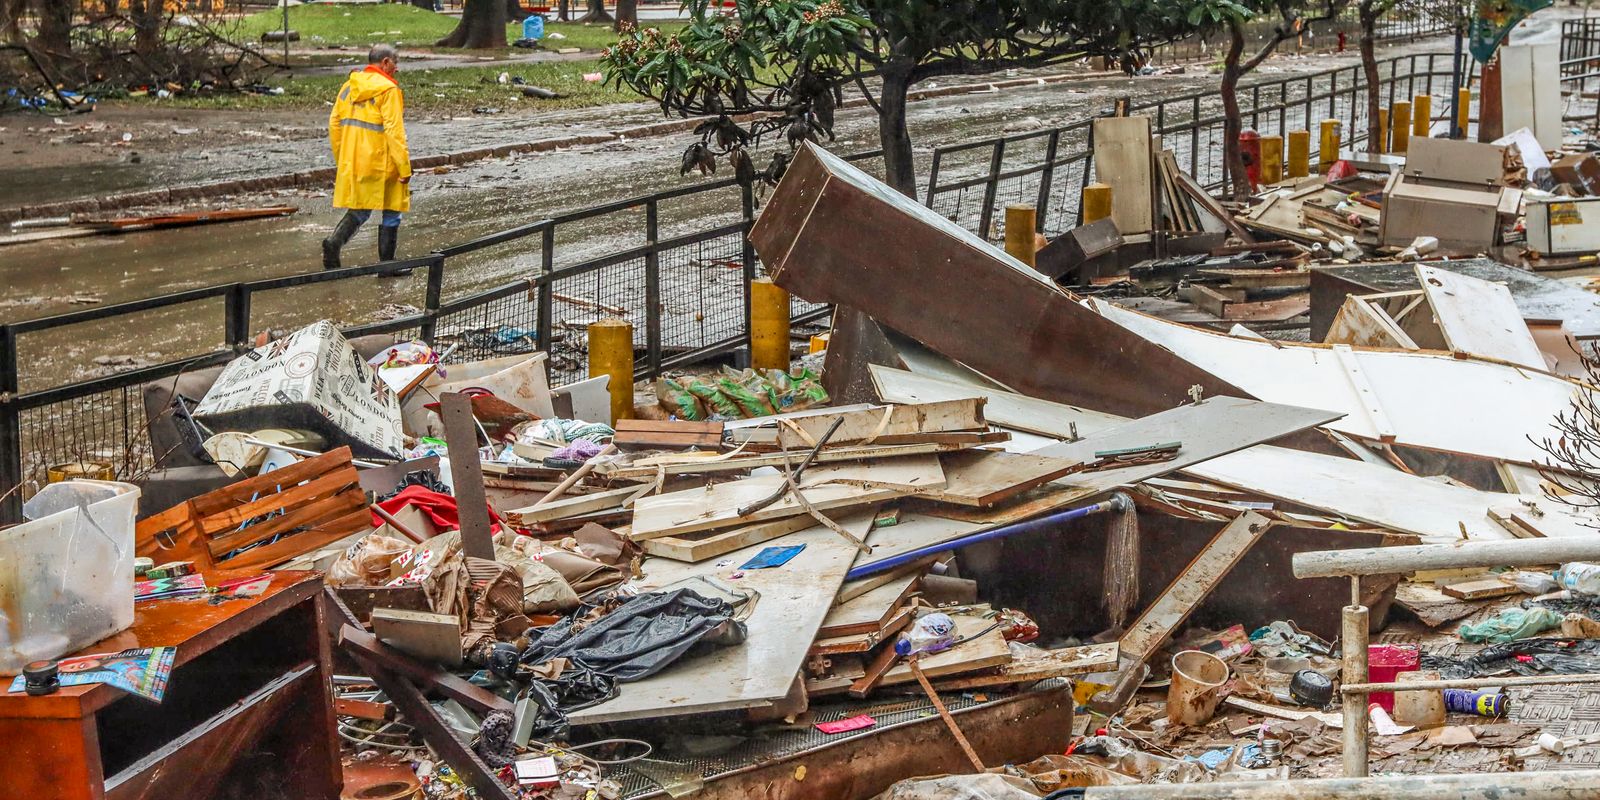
(470, 200)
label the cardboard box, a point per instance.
(1581, 171)
(1564, 225)
(1464, 218)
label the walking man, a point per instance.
(369, 148)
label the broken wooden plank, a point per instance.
(717, 506)
(434, 638)
(1152, 628)
(985, 651)
(867, 640)
(871, 611)
(1040, 665)
(985, 477)
(710, 544)
(643, 434)
(461, 434)
(567, 507)
(648, 469)
(1482, 589)
(917, 474)
(866, 427)
(1363, 324)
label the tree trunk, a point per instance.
(146, 16)
(564, 10)
(597, 13)
(483, 25)
(627, 14)
(1232, 124)
(55, 27)
(1369, 67)
(515, 12)
(899, 167)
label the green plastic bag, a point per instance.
(1512, 624)
(679, 401)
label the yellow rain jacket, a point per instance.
(369, 144)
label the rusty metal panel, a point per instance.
(833, 234)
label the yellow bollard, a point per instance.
(1271, 159)
(1382, 145)
(1020, 221)
(611, 353)
(1400, 118)
(769, 325)
(1422, 115)
(1096, 202)
(1299, 154)
(1463, 110)
(1328, 145)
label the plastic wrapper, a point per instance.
(1514, 623)
(641, 637)
(678, 400)
(367, 562)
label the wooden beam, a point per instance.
(466, 474)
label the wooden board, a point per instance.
(794, 600)
(1192, 586)
(666, 434)
(647, 469)
(434, 638)
(850, 590)
(571, 506)
(710, 544)
(1040, 665)
(1122, 159)
(985, 477)
(871, 611)
(1479, 317)
(676, 513)
(865, 427)
(1479, 589)
(1010, 409)
(911, 474)
(988, 650)
(865, 641)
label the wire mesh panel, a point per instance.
(703, 295)
(106, 427)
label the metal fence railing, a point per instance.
(677, 264)
(1580, 70)
(972, 182)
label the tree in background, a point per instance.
(1233, 15)
(1367, 13)
(627, 15)
(790, 61)
(482, 26)
(597, 13)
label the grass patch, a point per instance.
(453, 90)
(407, 26)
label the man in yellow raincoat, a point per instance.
(369, 147)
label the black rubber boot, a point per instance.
(388, 241)
(336, 241)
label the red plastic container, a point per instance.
(1384, 662)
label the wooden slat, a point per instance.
(571, 506)
(309, 514)
(866, 641)
(1046, 664)
(648, 469)
(1193, 585)
(233, 494)
(870, 426)
(280, 551)
(710, 544)
(289, 497)
(676, 513)
(871, 611)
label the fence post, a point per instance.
(652, 289)
(10, 430)
(986, 218)
(433, 298)
(748, 196)
(1045, 180)
(546, 312)
(236, 318)
(933, 177)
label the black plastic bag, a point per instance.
(640, 637)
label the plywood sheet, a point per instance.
(718, 506)
(572, 506)
(985, 651)
(985, 477)
(1010, 409)
(794, 600)
(1362, 324)
(1438, 512)
(870, 611)
(864, 427)
(1122, 159)
(1431, 400)
(911, 474)
(1479, 317)
(702, 545)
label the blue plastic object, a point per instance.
(533, 27)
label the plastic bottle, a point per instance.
(1580, 577)
(1533, 582)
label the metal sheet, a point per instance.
(857, 242)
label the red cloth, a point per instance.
(439, 508)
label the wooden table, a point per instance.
(249, 703)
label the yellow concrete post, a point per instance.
(1096, 202)
(1328, 145)
(1422, 115)
(1271, 159)
(611, 353)
(769, 325)
(1463, 110)
(1400, 118)
(1382, 145)
(1020, 221)
(1299, 154)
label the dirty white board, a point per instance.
(1122, 159)
(1430, 400)
(1479, 317)
(1388, 498)
(794, 600)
